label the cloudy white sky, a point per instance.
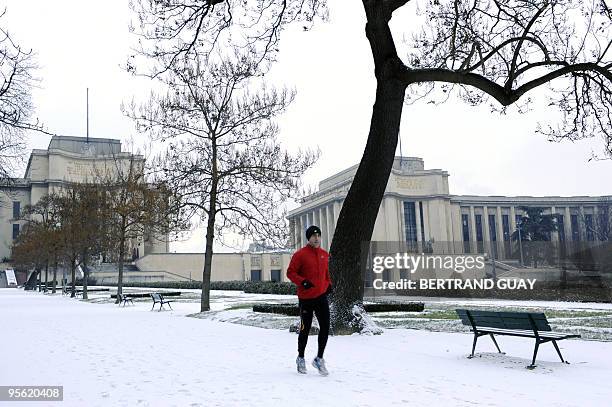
(83, 43)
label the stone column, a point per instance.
(512, 220)
(337, 208)
(329, 211)
(400, 217)
(323, 226)
(426, 223)
(581, 224)
(473, 244)
(417, 216)
(567, 224)
(304, 222)
(499, 229)
(554, 236)
(598, 228)
(486, 236)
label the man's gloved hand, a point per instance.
(307, 284)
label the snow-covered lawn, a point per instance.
(105, 355)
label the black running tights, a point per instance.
(320, 307)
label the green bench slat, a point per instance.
(505, 320)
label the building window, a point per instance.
(410, 222)
(506, 227)
(255, 275)
(588, 223)
(465, 226)
(16, 209)
(275, 275)
(478, 219)
(561, 228)
(479, 240)
(493, 234)
(574, 225)
(422, 221)
(492, 228)
(386, 275)
(15, 230)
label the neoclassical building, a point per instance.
(67, 159)
(77, 159)
(418, 207)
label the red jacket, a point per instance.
(309, 263)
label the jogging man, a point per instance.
(308, 270)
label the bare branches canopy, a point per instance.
(172, 31)
(223, 158)
(508, 48)
(16, 80)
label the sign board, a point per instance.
(10, 277)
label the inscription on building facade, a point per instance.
(79, 169)
(409, 183)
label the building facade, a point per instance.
(67, 159)
(417, 207)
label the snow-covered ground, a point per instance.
(105, 355)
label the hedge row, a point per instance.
(294, 311)
(253, 287)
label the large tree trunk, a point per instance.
(54, 277)
(46, 276)
(358, 215)
(85, 276)
(206, 273)
(73, 275)
(210, 232)
(360, 208)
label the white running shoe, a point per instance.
(319, 363)
(301, 365)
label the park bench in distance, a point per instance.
(523, 324)
(124, 299)
(158, 298)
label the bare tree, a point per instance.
(603, 230)
(26, 251)
(598, 226)
(223, 158)
(133, 208)
(172, 31)
(485, 50)
(498, 50)
(16, 68)
(39, 242)
(88, 207)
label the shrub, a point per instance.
(293, 309)
(79, 281)
(252, 287)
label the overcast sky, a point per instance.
(83, 43)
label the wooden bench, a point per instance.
(158, 298)
(124, 299)
(523, 324)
